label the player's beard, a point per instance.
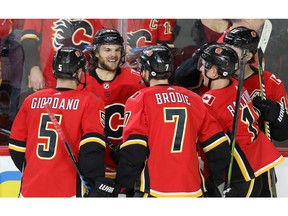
(108, 66)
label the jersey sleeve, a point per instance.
(134, 149)
(18, 138)
(92, 145)
(165, 32)
(215, 145)
(30, 40)
(275, 90)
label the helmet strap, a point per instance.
(79, 81)
(210, 79)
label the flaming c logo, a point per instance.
(74, 33)
(139, 38)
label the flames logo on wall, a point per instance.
(74, 33)
(139, 38)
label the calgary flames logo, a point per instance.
(139, 38)
(74, 33)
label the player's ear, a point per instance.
(214, 72)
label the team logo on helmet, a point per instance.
(253, 34)
(218, 50)
(77, 53)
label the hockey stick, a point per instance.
(265, 35)
(235, 119)
(4, 132)
(62, 136)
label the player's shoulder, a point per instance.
(267, 73)
(169, 88)
(130, 72)
(89, 97)
(41, 93)
(271, 78)
(86, 93)
(140, 94)
(186, 91)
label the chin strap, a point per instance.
(79, 81)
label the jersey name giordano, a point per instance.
(56, 103)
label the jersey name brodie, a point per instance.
(56, 103)
(172, 97)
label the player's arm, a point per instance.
(276, 114)
(92, 145)
(187, 74)
(30, 41)
(133, 153)
(18, 137)
(17, 151)
(165, 35)
(217, 152)
(274, 108)
(91, 157)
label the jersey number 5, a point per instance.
(47, 150)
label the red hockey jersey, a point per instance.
(274, 87)
(253, 148)
(168, 121)
(146, 32)
(114, 94)
(49, 171)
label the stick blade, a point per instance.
(265, 35)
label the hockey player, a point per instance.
(35, 146)
(188, 75)
(254, 153)
(274, 108)
(162, 125)
(114, 84)
(41, 39)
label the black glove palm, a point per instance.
(270, 110)
(212, 189)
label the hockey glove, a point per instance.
(230, 192)
(187, 74)
(271, 111)
(103, 187)
(212, 189)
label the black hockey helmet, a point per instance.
(158, 60)
(67, 61)
(107, 36)
(225, 58)
(243, 38)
